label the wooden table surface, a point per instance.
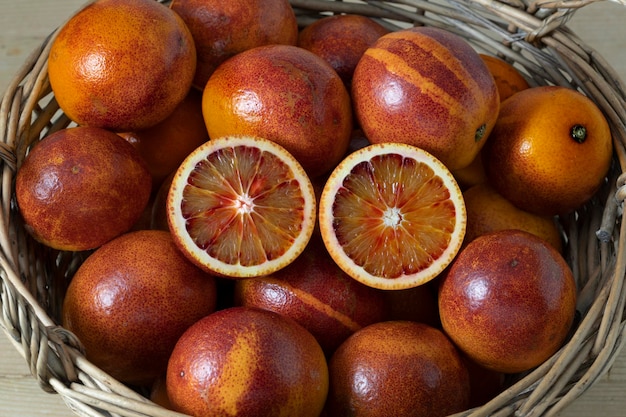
(23, 25)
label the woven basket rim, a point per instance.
(531, 34)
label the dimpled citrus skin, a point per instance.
(341, 40)
(508, 301)
(122, 65)
(130, 301)
(80, 187)
(508, 79)
(222, 29)
(165, 145)
(532, 159)
(286, 94)
(488, 211)
(316, 293)
(247, 362)
(397, 368)
(426, 87)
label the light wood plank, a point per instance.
(21, 396)
(23, 25)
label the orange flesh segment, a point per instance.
(392, 224)
(243, 206)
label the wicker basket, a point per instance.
(532, 35)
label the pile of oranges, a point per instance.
(334, 219)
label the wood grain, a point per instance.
(25, 23)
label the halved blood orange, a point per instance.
(241, 206)
(392, 216)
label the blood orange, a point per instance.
(70, 197)
(241, 206)
(508, 301)
(122, 65)
(131, 300)
(392, 216)
(543, 159)
(397, 368)
(317, 294)
(286, 94)
(245, 361)
(427, 87)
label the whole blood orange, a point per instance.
(247, 362)
(222, 29)
(165, 145)
(508, 301)
(392, 216)
(286, 94)
(488, 211)
(397, 368)
(473, 174)
(341, 40)
(508, 79)
(426, 87)
(316, 293)
(131, 300)
(549, 151)
(80, 187)
(122, 64)
(241, 206)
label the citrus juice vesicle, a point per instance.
(392, 216)
(241, 206)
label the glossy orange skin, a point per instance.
(508, 79)
(286, 94)
(488, 211)
(532, 159)
(80, 187)
(131, 300)
(341, 40)
(316, 293)
(508, 301)
(165, 145)
(426, 87)
(247, 362)
(122, 65)
(222, 29)
(397, 368)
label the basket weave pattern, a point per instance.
(532, 35)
